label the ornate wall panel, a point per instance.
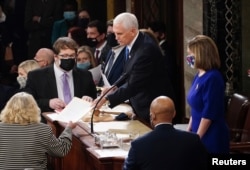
(222, 22)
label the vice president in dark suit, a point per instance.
(54, 86)
(146, 75)
(166, 147)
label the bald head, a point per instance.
(162, 109)
(44, 57)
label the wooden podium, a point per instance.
(85, 154)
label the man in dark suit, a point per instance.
(96, 38)
(117, 65)
(159, 29)
(116, 58)
(40, 16)
(166, 147)
(46, 84)
(146, 75)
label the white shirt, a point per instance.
(132, 43)
(58, 74)
(100, 48)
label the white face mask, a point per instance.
(21, 81)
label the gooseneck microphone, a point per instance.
(122, 77)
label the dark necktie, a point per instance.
(110, 63)
(126, 54)
(96, 56)
(66, 89)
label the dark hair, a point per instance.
(157, 26)
(70, 5)
(101, 28)
(110, 22)
(84, 9)
(79, 35)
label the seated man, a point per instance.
(166, 147)
(54, 86)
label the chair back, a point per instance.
(236, 114)
(246, 129)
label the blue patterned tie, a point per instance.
(127, 53)
(66, 89)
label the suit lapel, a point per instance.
(77, 83)
(129, 63)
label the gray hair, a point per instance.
(128, 20)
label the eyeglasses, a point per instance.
(67, 56)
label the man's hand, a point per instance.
(87, 98)
(101, 102)
(56, 104)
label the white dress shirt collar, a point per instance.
(58, 74)
(132, 43)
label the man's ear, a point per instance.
(174, 114)
(152, 116)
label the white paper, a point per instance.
(111, 152)
(96, 73)
(105, 81)
(75, 110)
(181, 126)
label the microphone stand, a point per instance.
(104, 94)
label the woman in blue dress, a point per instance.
(206, 96)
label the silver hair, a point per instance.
(128, 20)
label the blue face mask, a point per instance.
(190, 60)
(69, 15)
(83, 66)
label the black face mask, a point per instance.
(83, 22)
(67, 64)
(111, 41)
(92, 42)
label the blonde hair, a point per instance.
(21, 109)
(86, 49)
(29, 65)
(205, 52)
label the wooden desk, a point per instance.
(84, 154)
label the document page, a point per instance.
(96, 73)
(105, 81)
(75, 110)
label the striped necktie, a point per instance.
(110, 63)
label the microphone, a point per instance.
(121, 78)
